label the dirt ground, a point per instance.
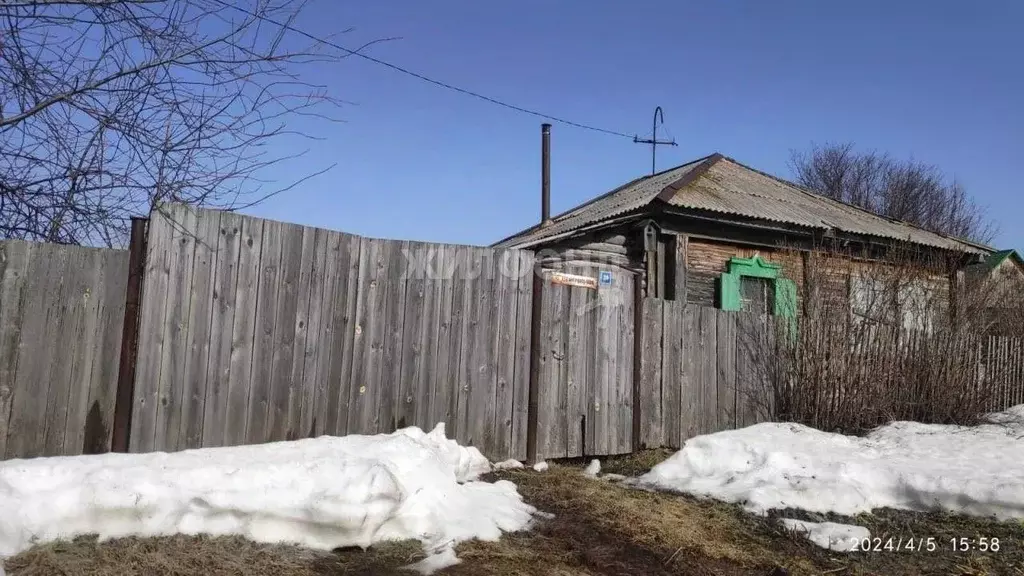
(599, 528)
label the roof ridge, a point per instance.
(818, 195)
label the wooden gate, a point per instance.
(585, 363)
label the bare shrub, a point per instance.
(884, 341)
(907, 190)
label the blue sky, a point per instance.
(939, 81)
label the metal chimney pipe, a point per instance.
(545, 175)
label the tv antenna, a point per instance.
(653, 141)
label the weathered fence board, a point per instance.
(652, 428)
(15, 260)
(61, 315)
(222, 318)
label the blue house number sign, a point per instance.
(605, 278)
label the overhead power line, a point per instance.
(424, 78)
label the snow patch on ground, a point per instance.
(829, 535)
(541, 466)
(593, 469)
(440, 560)
(508, 465)
(613, 477)
(321, 493)
(905, 465)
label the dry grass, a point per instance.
(600, 528)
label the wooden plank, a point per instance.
(341, 331)
(726, 361)
(682, 242)
(748, 384)
(472, 350)
(652, 434)
(485, 396)
(43, 322)
(481, 367)
(412, 382)
(314, 346)
(624, 398)
(282, 388)
(175, 328)
(368, 345)
(15, 258)
(394, 330)
(709, 368)
(299, 394)
(462, 303)
(581, 301)
(83, 349)
(605, 375)
(506, 322)
(77, 276)
(551, 416)
(222, 321)
(671, 372)
(257, 426)
(74, 295)
(691, 392)
(521, 375)
(151, 332)
(244, 330)
(97, 432)
(197, 351)
(591, 392)
(444, 395)
(425, 366)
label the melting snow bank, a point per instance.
(906, 465)
(322, 493)
(829, 535)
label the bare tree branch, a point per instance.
(110, 106)
(901, 189)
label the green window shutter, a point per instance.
(729, 292)
(785, 298)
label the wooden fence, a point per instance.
(704, 370)
(254, 331)
(699, 371)
(251, 330)
(61, 316)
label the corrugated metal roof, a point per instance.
(626, 198)
(719, 184)
(732, 188)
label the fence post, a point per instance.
(638, 331)
(536, 306)
(130, 335)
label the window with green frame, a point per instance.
(753, 285)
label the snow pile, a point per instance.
(592, 469)
(541, 466)
(320, 493)
(829, 535)
(906, 465)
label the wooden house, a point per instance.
(714, 232)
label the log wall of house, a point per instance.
(617, 248)
(706, 260)
(820, 277)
